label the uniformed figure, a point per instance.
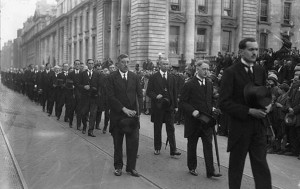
(63, 92)
(46, 86)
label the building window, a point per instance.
(287, 13)
(264, 10)
(70, 28)
(87, 23)
(227, 7)
(80, 50)
(81, 23)
(263, 42)
(94, 17)
(200, 41)
(202, 6)
(75, 26)
(94, 48)
(226, 41)
(175, 5)
(174, 40)
(86, 49)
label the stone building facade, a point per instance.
(99, 29)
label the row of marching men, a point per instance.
(81, 90)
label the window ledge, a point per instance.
(287, 25)
(264, 22)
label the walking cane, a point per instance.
(216, 147)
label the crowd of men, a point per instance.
(168, 94)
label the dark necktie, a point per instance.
(124, 79)
(249, 72)
(165, 80)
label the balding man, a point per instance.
(197, 98)
(163, 93)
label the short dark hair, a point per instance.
(77, 60)
(47, 64)
(242, 44)
(121, 56)
(89, 60)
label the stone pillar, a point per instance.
(124, 29)
(106, 34)
(113, 33)
(190, 31)
(217, 27)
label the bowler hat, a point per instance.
(163, 103)
(207, 119)
(257, 96)
(128, 124)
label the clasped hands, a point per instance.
(128, 112)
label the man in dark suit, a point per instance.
(196, 98)
(247, 131)
(46, 86)
(88, 97)
(74, 104)
(125, 97)
(63, 93)
(163, 93)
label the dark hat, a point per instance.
(69, 84)
(207, 119)
(290, 119)
(176, 66)
(285, 87)
(59, 82)
(128, 124)
(163, 103)
(257, 96)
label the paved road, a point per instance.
(51, 155)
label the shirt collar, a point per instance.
(122, 74)
(162, 73)
(246, 64)
(202, 80)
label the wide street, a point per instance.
(50, 155)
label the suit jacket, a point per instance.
(232, 102)
(155, 87)
(46, 82)
(85, 80)
(195, 97)
(121, 95)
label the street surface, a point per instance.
(50, 155)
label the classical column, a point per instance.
(114, 31)
(190, 30)
(217, 27)
(124, 29)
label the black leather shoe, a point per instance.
(193, 172)
(91, 134)
(58, 117)
(133, 173)
(49, 114)
(98, 128)
(83, 131)
(156, 152)
(213, 175)
(70, 125)
(78, 128)
(118, 172)
(104, 131)
(176, 153)
(66, 119)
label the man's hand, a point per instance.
(86, 87)
(278, 105)
(291, 110)
(128, 112)
(195, 113)
(176, 109)
(257, 113)
(159, 96)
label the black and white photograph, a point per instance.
(150, 94)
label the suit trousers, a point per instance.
(254, 141)
(206, 137)
(88, 108)
(52, 100)
(168, 119)
(75, 107)
(132, 144)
